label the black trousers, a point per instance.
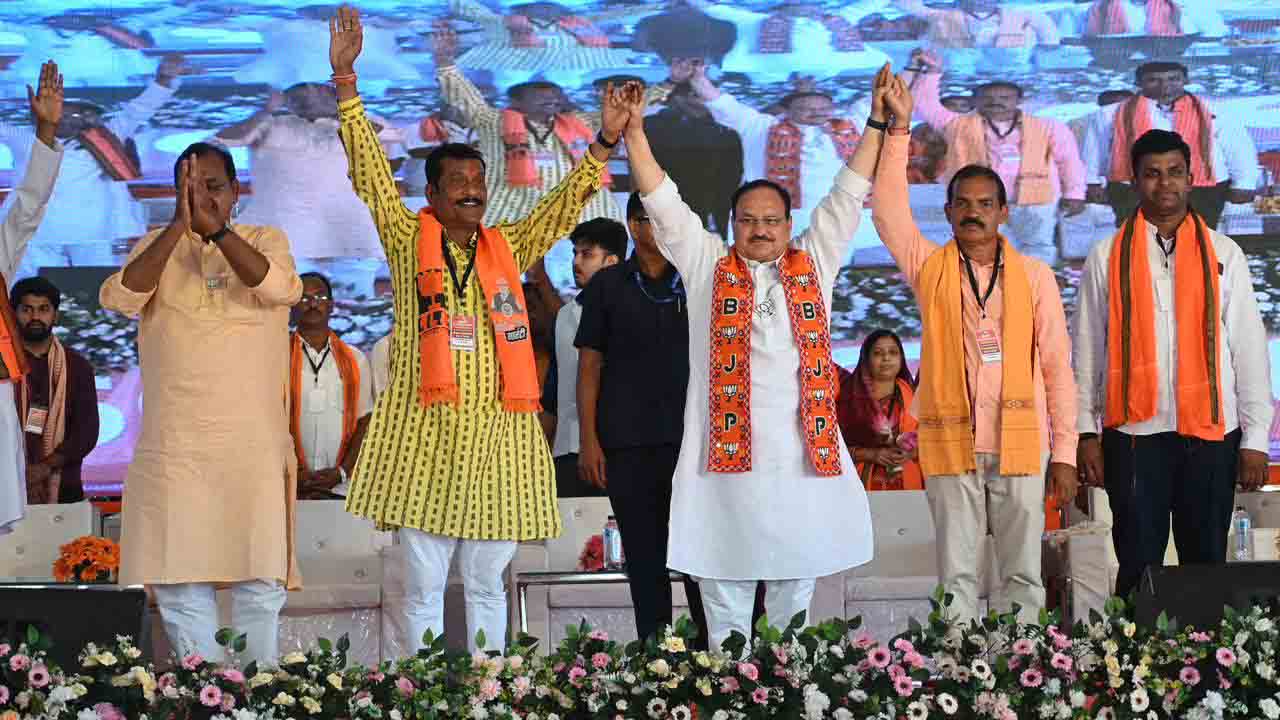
(639, 484)
(569, 483)
(1150, 477)
(1208, 201)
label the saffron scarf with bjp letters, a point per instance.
(732, 306)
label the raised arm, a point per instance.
(1045, 28)
(31, 197)
(250, 130)
(367, 163)
(455, 88)
(926, 90)
(892, 209)
(139, 111)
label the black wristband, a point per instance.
(216, 236)
(605, 143)
(1088, 436)
(880, 125)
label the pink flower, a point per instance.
(879, 657)
(376, 677)
(1199, 637)
(896, 671)
(19, 662)
(558, 668)
(489, 689)
(228, 702)
(1023, 646)
(781, 654)
(1223, 682)
(210, 696)
(1015, 662)
(1061, 662)
(600, 660)
(576, 673)
(729, 685)
(4, 694)
(233, 675)
(908, 441)
(864, 640)
(4, 649)
(1031, 678)
(405, 686)
(903, 685)
(1189, 676)
(749, 671)
(167, 680)
(760, 695)
(107, 711)
(914, 659)
(192, 662)
(1226, 657)
(903, 645)
(39, 676)
(600, 635)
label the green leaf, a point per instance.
(762, 624)
(913, 626)
(1162, 622)
(241, 642)
(344, 643)
(33, 635)
(325, 645)
(797, 620)
(224, 637)
(251, 669)
(526, 641)
(480, 638)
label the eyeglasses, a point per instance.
(314, 299)
(765, 221)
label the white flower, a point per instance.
(106, 659)
(680, 712)
(720, 715)
(1265, 670)
(1214, 703)
(284, 700)
(1264, 625)
(858, 696)
(62, 695)
(622, 705)
(479, 713)
(674, 644)
(656, 708)
(948, 704)
(335, 680)
(816, 702)
(1269, 708)
(395, 715)
(840, 714)
(132, 653)
(660, 668)
(244, 714)
(917, 711)
(1139, 700)
(261, 679)
(293, 658)
(87, 714)
(311, 705)
(1078, 698)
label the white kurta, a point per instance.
(567, 439)
(25, 209)
(323, 407)
(781, 520)
(380, 365)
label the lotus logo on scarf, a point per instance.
(819, 395)
(803, 280)
(731, 449)
(812, 337)
(731, 279)
(824, 453)
(730, 390)
(729, 333)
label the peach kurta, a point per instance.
(210, 492)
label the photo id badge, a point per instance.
(462, 333)
(36, 417)
(988, 345)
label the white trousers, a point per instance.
(1012, 506)
(1033, 230)
(13, 463)
(426, 576)
(190, 615)
(728, 604)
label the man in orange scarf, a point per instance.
(1171, 361)
(1158, 18)
(996, 398)
(1224, 159)
(330, 395)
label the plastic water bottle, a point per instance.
(1242, 525)
(613, 558)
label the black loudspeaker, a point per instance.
(72, 616)
(1196, 594)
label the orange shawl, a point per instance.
(1132, 366)
(55, 422)
(522, 171)
(1107, 17)
(967, 145)
(118, 159)
(784, 150)
(732, 304)
(13, 357)
(498, 274)
(950, 29)
(1192, 119)
(349, 371)
(946, 419)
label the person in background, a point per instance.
(875, 415)
(597, 244)
(218, 482)
(983, 24)
(1224, 159)
(22, 216)
(330, 396)
(380, 363)
(996, 400)
(1037, 158)
(58, 402)
(1155, 18)
(1172, 368)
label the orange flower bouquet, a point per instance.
(87, 559)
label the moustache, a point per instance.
(972, 221)
(760, 238)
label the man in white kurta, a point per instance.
(26, 208)
(780, 521)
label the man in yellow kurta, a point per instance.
(454, 456)
(209, 499)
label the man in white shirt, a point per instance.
(1159, 18)
(330, 396)
(91, 206)
(763, 478)
(1224, 160)
(1183, 404)
(597, 244)
(25, 209)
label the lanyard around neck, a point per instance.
(973, 281)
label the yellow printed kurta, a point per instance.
(475, 471)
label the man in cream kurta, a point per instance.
(209, 496)
(731, 529)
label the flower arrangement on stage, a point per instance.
(87, 559)
(592, 557)
(998, 668)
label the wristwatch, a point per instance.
(218, 235)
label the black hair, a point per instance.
(1157, 67)
(608, 235)
(1111, 97)
(204, 148)
(1157, 142)
(519, 88)
(634, 206)
(756, 185)
(304, 84)
(977, 171)
(38, 286)
(999, 85)
(85, 104)
(328, 286)
(448, 151)
(617, 80)
(864, 355)
(792, 97)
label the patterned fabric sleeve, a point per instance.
(371, 177)
(555, 215)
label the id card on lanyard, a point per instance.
(986, 334)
